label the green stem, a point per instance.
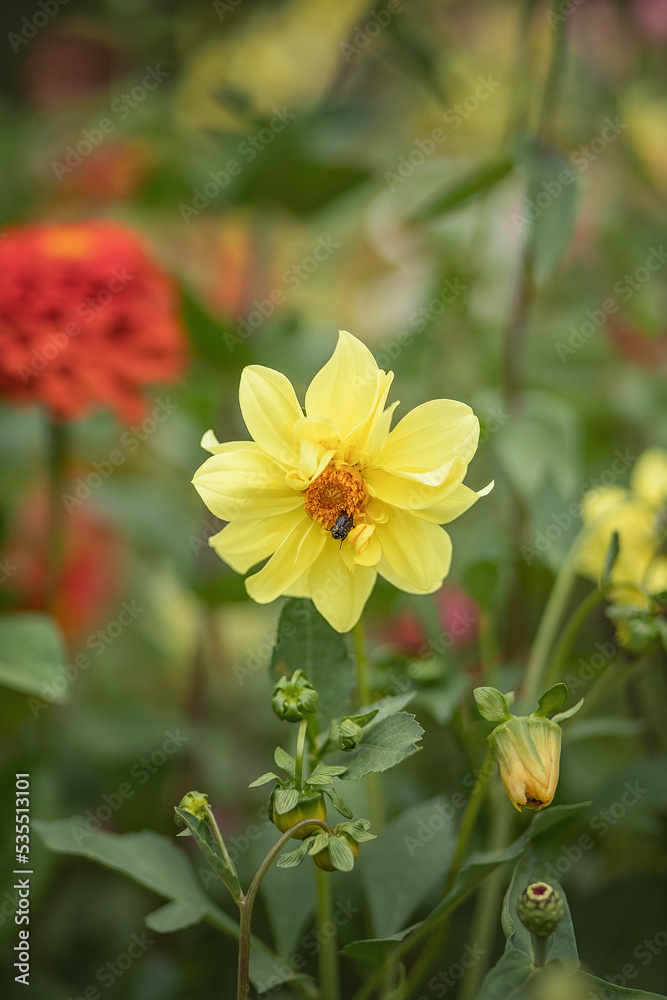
(569, 634)
(364, 696)
(210, 818)
(300, 751)
(247, 902)
(56, 529)
(473, 806)
(539, 950)
(327, 960)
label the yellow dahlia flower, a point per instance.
(332, 497)
(639, 515)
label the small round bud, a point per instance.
(336, 856)
(294, 697)
(308, 807)
(540, 908)
(195, 803)
(349, 734)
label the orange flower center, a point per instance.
(66, 241)
(335, 491)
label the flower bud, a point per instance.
(195, 803)
(325, 858)
(540, 908)
(294, 697)
(527, 749)
(308, 807)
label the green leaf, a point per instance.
(209, 335)
(600, 990)
(172, 917)
(32, 656)
(562, 943)
(383, 745)
(285, 760)
(340, 854)
(210, 848)
(569, 713)
(263, 779)
(491, 704)
(476, 182)
(306, 641)
(610, 558)
(374, 951)
(407, 864)
(285, 799)
(337, 803)
(552, 700)
(551, 229)
(507, 977)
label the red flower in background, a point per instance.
(458, 615)
(86, 319)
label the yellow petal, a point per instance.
(409, 491)
(293, 557)
(453, 505)
(648, 479)
(244, 484)
(417, 552)
(345, 389)
(270, 410)
(596, 502)
(209, 442)
(243, 544)
(430, 436)
(339, 595)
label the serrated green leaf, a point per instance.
(285, 760)
(263, 779)
(32, 656)
(211, 850)
(338, 803)
(285, 799)
(476, 182)
(383, 745)
(340, 854)
(307, 642)
(552, 700)
(491, 704)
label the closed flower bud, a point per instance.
(294, 697)
(540, 908)
(341, 849)
(527, 749)
(195, 803)
(307, 807)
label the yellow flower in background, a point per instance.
(639, 515)
(332, 497)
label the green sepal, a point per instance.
(340, 854)
(263, 779)
(319, 842)
(294, 858)
(210, 848)
(552, 700)
(285, 761)
(492, 704)
(569, 713)
(358, 830)
(285, 799)
(323, 774)
(337, 802)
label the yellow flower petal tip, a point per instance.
(327, 496)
